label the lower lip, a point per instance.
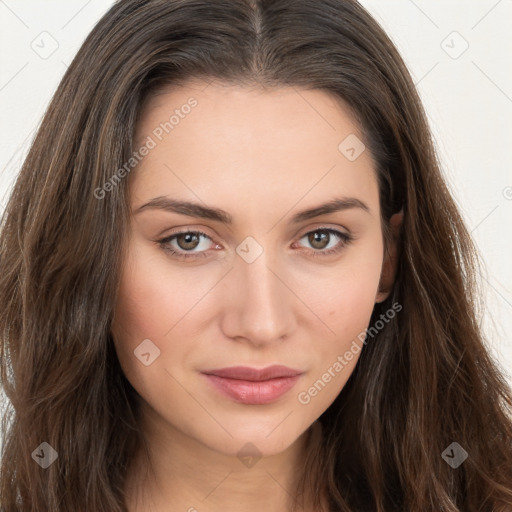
(251, 392)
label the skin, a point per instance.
(262, 156)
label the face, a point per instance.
(242, 279)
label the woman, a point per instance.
(175, 333)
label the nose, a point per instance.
(260, 306)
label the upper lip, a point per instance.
(253, 374)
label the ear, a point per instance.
(390, 261)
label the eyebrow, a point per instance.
(216, 214)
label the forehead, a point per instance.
(250, 146)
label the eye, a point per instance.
(320, 239)
(181, 245)
(185, 241)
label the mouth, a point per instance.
(252, 386)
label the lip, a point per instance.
(252, 386)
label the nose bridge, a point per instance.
(262, 306)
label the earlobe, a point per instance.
(390, 261)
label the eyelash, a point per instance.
(345, 240)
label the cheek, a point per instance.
(156, 302)
(345, 297)
(344, 301)
(152, 296)
(149, 304)
(143, 310)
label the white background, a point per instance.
(468, 96)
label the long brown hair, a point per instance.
(424, 381)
